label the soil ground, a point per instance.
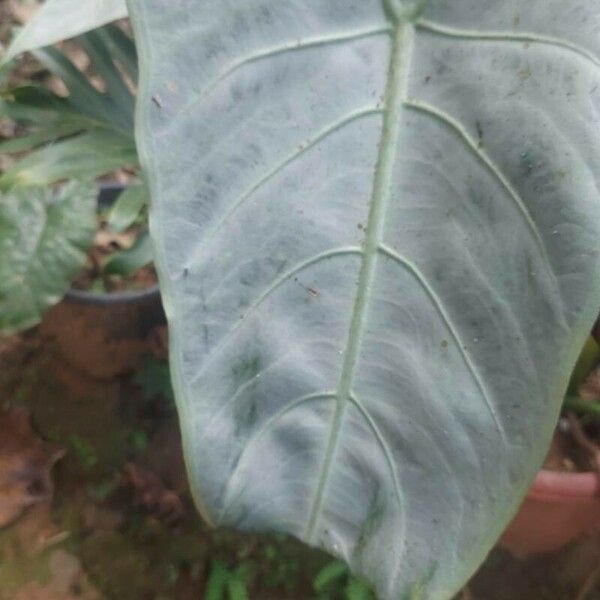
(121, 525)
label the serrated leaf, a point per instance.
(62, 19)
(376, 226)
(43, 243)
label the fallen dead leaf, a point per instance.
(25, 465)
(106, 240)
(151, 493)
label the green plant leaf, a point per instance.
(102, 60)
(217, 582)
(62, 19)
(127, 207)
(43, 243)
(122, 48)
(357, 590)
(376, 225)
(155, 380)
(83, 96)
(105, 120)
(35, 105)
(37, 138)
(87, 155)
(127, 262)
(589, 358)
(236, 588)
(330, 574)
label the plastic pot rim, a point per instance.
(560, 486)
(108, 298)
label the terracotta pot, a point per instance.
(558, 508)
(104, 335)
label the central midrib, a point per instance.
(394, 100)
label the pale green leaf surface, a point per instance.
(43, 243)
(62, 19)
(377, 228)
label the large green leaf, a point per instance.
(43, 243)
(377, 231)
(62, 19)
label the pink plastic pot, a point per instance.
(558, 508)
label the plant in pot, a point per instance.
(376, 228)
(564, 501)
(114, 301)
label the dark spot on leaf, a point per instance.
(524, 74)
(479, 133)
(246, 369)
(245, 415)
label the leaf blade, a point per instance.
(131, 201)
(87, 155)
(44, 244)
(58, 20)
(260, 298)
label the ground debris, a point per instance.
(150, 492)
(25, 465)
(68, 582)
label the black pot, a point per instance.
(105, 334)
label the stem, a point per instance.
(582, 406)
